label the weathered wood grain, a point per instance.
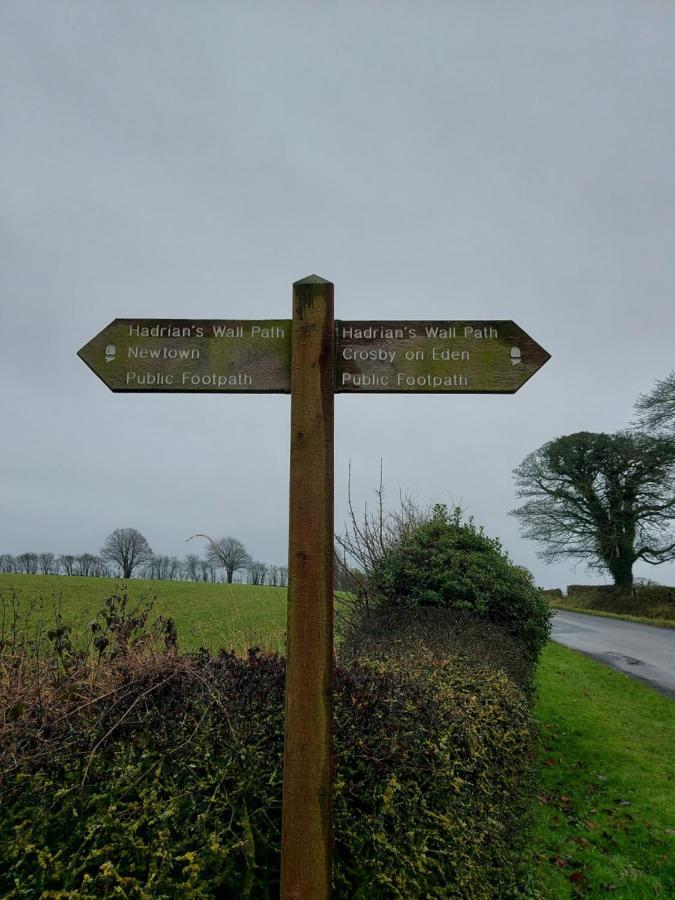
(307, 789)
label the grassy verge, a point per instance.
(641, 620)
(234, 616)
(605, 816)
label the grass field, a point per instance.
(233, 616)
(605, 817)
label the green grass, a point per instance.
(641, 620)
(233, 616)
(605, 816)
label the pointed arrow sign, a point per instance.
(254, 356)
(451, 357)
(193, 355)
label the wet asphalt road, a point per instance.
(643, 651)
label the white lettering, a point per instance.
(447, 355)
(431, 381)
(357, 380)
(442, 334)
(228, 331)
(214, 380)
(260, 331)
(162, 331)
(377, 332)
(487, 332)
(363, 355)
(148, 379)
(162, 353)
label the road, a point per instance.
(642, 651)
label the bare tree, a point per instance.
(151, 568)
(100, 568)
(206, 570)
(191, 567)
(256, 572)
(27, 563)
(127, 548)
(283, 576)
(366, 538)
(85, 564)
(67, 563)
(226, 553)
(46, 563)
(174, 568)
(7, 563)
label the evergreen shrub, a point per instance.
(448, 563)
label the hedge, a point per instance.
(161, 778)
(652, 601)
(451, 564)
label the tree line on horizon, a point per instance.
(607, 499)
(126, 554)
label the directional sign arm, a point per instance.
(192, 356)
(452, 357)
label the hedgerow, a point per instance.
(474, 645)
(159, 776)
(451, 564)
(653, 601)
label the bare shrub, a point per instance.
(368, 535)
(48, 677)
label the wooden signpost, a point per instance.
(313, 357)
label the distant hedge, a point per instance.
(161, 778)
(654, 601)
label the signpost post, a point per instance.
(307, 833)
(312, 358)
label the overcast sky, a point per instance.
(435, 160)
